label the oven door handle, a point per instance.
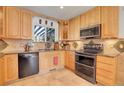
(85, 55)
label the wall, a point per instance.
(121, 22)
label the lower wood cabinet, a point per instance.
(106, 70)
(44, 62)
(1, 71)
(8, 68)
(11, 67)
(49, 61)
(70, 60)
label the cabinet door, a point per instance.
(44, 65)
(2, 21)
(71, 28)
(95, 16)
(11, 67)
(70, 60)
(26, 25)
(83, 21)
(106, 70)
(109, 21)
(1, 71)
(77, 28)
(61, 29)
(12, 22)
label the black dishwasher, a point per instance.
(28, 64)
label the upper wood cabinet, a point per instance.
(83, 21)
(91, 17)
(77, 28)
(2, 22)
(63, 30)
(109, 21)
(74, 28)
(107, 16)
(26, 24)
(71, 28)
(13, 22)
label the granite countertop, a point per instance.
(109, 54)
(50, 50)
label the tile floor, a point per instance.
(62, 77)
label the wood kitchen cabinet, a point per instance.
(109, 21)
(90, 18)
(70, 60)
(93, 17)
(44, 63)
(2, 22)
(11, 67)
(107, 16)
(13, 22)
(106, 70)
(1, 71)
(26, 24)
(63, 30)
(74, 28)
(83, 21)
(8, 68)
(71, 29)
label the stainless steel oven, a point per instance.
(85, 65)
(85, 61)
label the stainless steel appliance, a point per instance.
(85, 61)
(28, 64)
(91, 32)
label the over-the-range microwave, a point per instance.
(91, 32)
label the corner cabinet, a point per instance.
(16, 23)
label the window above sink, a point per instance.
(44, 30)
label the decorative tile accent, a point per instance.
(3, 45)
(119, 46)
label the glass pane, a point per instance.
(51, 34)
(39, 33)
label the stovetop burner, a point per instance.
(91, 49)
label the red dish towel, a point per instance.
(55, 60)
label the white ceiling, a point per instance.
(54, 11)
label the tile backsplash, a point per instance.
(18, 45)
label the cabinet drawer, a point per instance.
(106, 60)
(107, 67)
(104, 73)
(105, 81)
